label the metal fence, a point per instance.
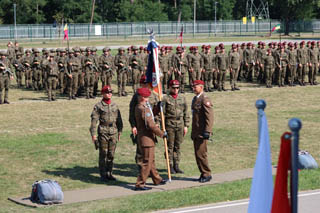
(134, 29)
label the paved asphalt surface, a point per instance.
(308, 202)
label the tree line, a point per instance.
(80, 11)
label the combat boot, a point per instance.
(6, 102)
(177, 169)
(172, 171)
(110, 176)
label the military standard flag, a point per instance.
(262, 185)
(65, 30)
(153, 69)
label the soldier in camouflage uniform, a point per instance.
(234, 59)
(281, 62)
(164, 67)
(27, 62)
(36, 70)
(61, 60)
(109, 131)
(73, 69)
(89, 76)
(303, 63)
(292, 64)
(176, 115)
(19, 69)
(5, 77)
(222, 61)
(136, 66)
(18, 48)
(268, 63)
(106, 66)
(248, 57)
(43, 64)
(121, 63)
(195, 65)
(215, 68)
(52, 77)
(10, 52)
(180, 65)
(314, 63)
(207, 59)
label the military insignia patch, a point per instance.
(148, 114)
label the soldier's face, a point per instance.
(107, 95)
(197, 89)
(174, 90)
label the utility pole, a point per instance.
(15, 21)
(92, 13)
(194, 16)
(215, 18)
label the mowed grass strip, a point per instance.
(41, 140)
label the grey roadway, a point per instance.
(308, 202)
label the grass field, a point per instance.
(41, 140)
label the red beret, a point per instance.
(174, 83)
(141, 47)
(106, 89)
(144, 92)
(198, 82)
(143, 79)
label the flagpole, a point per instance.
(260, 105)
(295, 126)
(164, 129)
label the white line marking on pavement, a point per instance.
(235, 204)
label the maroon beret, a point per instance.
(144, 92)
(106, 89)
(174, 83)
(198, 82)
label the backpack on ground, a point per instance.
(46, 192)
(306, 161)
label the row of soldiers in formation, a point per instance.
(78, 70)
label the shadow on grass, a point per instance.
(91, 174)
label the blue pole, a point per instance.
(295, 126)
(260, 105)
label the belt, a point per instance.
(174, 118)
(107, 124)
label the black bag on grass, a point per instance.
(46, 192)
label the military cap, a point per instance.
(44, 49)
(163, 48)
(19, 53)
(36, 51)
(233, 45)
(71, 51)
(76, 49)
(143, 79)
(63, 50)
(28, 51)
(208, 47)
(106, 49)
(120, 49)
(52, 50)
(178, 48)
(141, 47)
(290, 44)
(106, 89)
(144, 92)
(313, 43)
(195, 47)
(82, 49)
(302, 43)
(134, 48)
(243, 44)
(145, 49)
(58, 50)
(269, 50)
(51, 55)
(175, 83)
(249, 44)
(238, 45)
(284, 43)
(203, 46)
(3, 53)
(263, 44)
(309, 42)
(88, 49)
(217, 48)
(129, 48)
(198, 82)
(32, 49)
(93, 49)
(221, 45)
(296, 43)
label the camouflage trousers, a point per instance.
(292, 69)
(106, 78)
(89, 83)
(313, 73)
(208, 77)
(107, 148)
(28, 78)
(19, 75)
(37, 79)
(122, 81)
(233, 77)
(52, 86)
(302, 72)
(136, 75)
(72, 84)
(4, 84)
(175, 139)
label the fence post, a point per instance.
(225, 29)
(88, 32)
(240, 26)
